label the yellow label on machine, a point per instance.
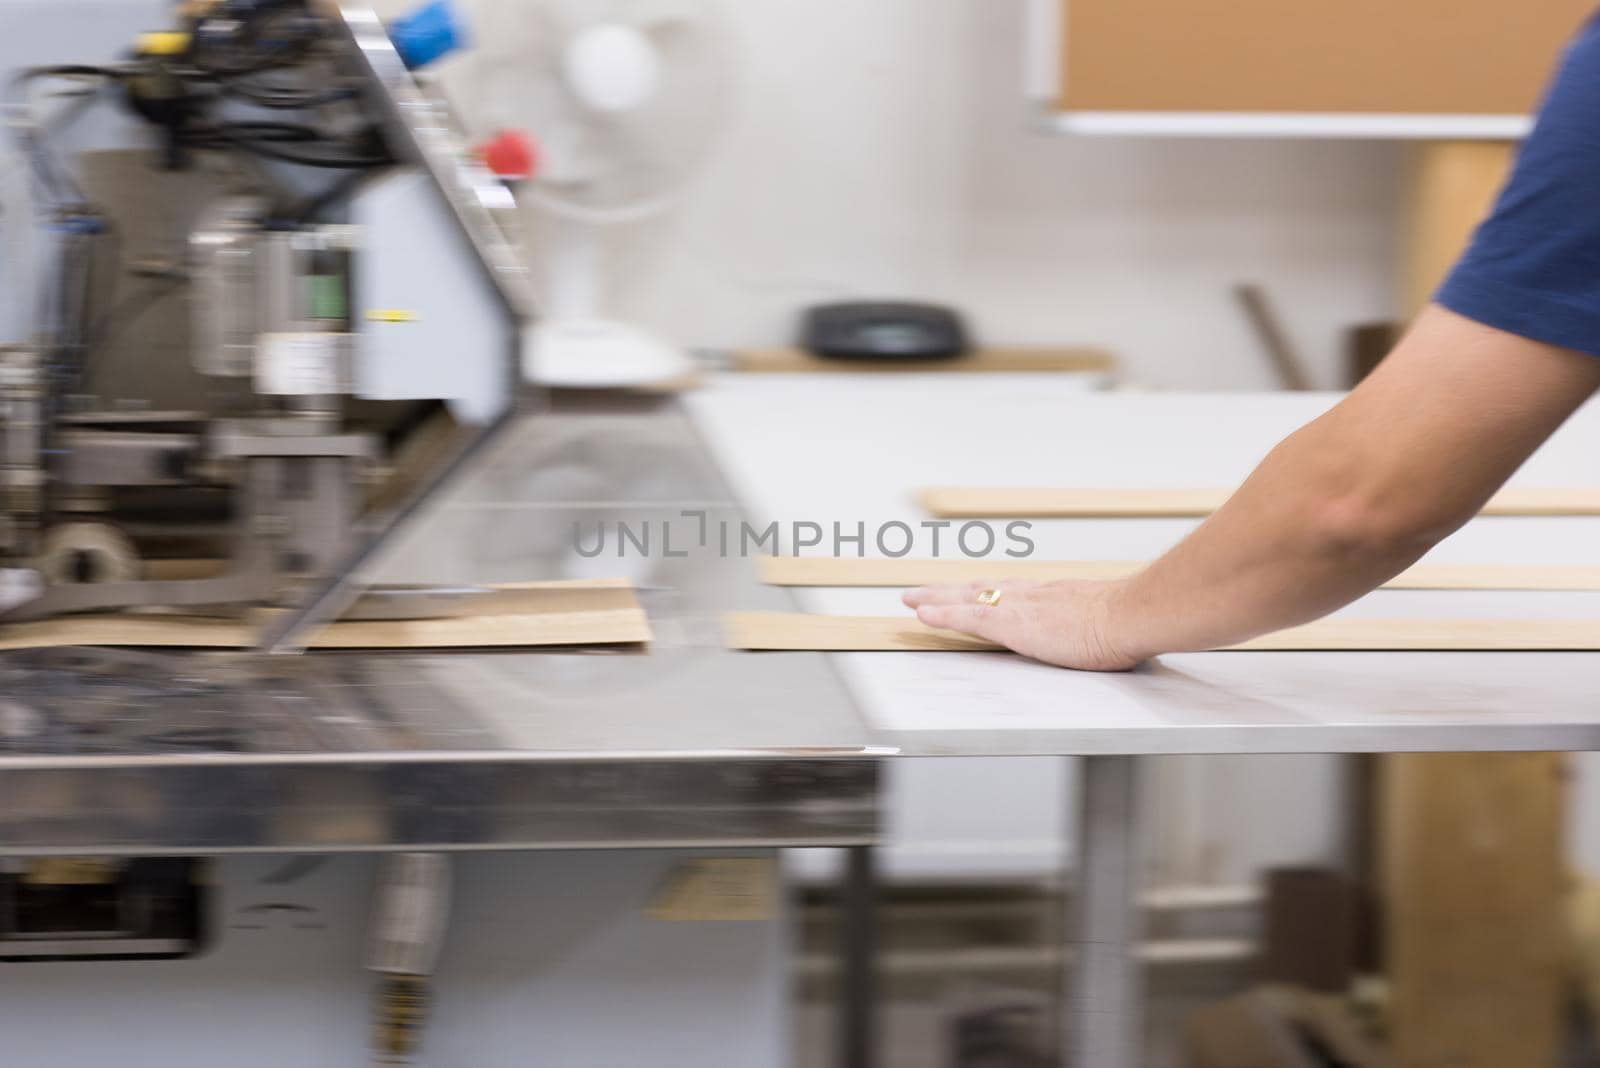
(163, 43)
(392, 315)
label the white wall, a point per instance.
(884, 148)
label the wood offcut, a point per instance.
(529, 615)
(794, 631)
(829, 571)
(973, 502)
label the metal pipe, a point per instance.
(1104, 1005)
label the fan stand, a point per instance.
(575, 347)
(576, 353)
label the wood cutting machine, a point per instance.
(279, 300)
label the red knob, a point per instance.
(511, 154)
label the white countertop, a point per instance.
(856, 449)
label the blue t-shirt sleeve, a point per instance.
(1533, 267)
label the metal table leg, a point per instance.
(1104, 1005)
(858, 952)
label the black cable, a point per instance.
(286, 100)
(95, 273)
(274, 35)
(328, 162)
(245, 32)
(263, 138)
(51, 174)
(220, 63)
(54, 303)
(263, 130)
(69, 70)
(264, 143)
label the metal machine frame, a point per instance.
(295, 535)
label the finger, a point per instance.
(956, 593)
(978, 620)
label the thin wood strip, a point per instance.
(525, 615)
(825, 571)
(974, 502)
(981, 361)
(519, 615)
(855, 572)
(1436, 635)
(799, 631)
(127, 630)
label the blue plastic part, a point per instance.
(428, 34)
(77, 224)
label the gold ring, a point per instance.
(990, 596)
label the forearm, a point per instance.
(1279, 553)
(1334, 511)
(1358, 495)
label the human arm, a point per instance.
(1335, 510)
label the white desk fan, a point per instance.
(624, 98)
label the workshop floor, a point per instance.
(969, 976)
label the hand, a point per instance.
(1060, 623)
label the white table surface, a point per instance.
(825, 449)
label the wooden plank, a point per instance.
(1470, 847)
(1472, 873)
(1497, 577)
(801, 631)
(880, 571)
(420, 453)
(127, 630)
(525, 615)
(980, 361)
(1450, 187)
(1436, 635)
(981, 502)
(905, 572)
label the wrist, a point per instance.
(1113, 626)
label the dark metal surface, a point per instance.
(680, 743)
(437, 802)
(858, 959)
(1104, 1016)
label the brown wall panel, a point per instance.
(1467, 57)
